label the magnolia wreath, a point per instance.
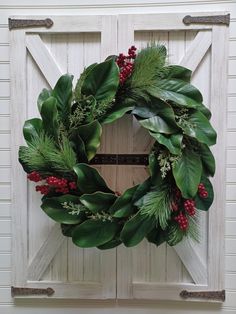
(62, 144)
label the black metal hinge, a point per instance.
(20, 291)
(120, 159)
(207, 295)
(24, 23)
(212, 19)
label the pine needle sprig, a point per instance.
(148, 66)
(63, 159)
(35, 155)
(156, 204)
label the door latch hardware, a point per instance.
(212, 19)
(23, 23)
(31, 291)
(120, 159)
(207, 295)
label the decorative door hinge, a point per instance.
(31, 291)
(212, 19)
(120, 159)
(207, 295)
(20, 23)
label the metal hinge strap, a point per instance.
(212, 19)
(207, 295)
(23, 23)
(31, 291)
(120, 159)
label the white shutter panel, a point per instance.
(147, 272)
(42, 256)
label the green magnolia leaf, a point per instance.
(110, 245)
(205, 203)
(32, 128)
(135, 229)
(63, 94)
(43, 96)
(89, 180)
(168, 95)
(208, 160)
(49, 114)
(116, 112)
(77, 93)
(154, 169)
(79, 147)
(156, 236)
(98, 201)
(93, 233)
(157, 124)
(67, 230)
(173, 142)
(91, 136)
(187, 172)
(102, 81)
(53, 207)
(177, 72)
(204, 110)
(198, 126)
(141, 190)
(123, 206)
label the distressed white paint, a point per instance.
(44, 7)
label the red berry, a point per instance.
(34, 176)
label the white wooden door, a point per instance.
(43, 257)
(145, 271)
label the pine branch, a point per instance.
(148, 66)
(156, 204)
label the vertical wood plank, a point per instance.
(19, 186)
(218, 108)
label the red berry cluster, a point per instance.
(189, 206)
(43, 189)
(202, 191)
(59, 185)
(125, 63)
(34, 176)
(182, 220)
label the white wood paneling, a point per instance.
(28, 7)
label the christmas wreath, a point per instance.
(62, 144)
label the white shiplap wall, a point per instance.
(50, 7)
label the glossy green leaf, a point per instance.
(173, 142)
(177, 72)
(98, 201)
(123, 206)
(208, 160)
(110, 245)
(156, 236)
(199, 127)
(63, 94)
(174, 96)
(157, 124)
(187, 172)
(54, 209)
(32, 128)
(67, 230)
(205, 203)
(89, 180)
(79, 147)
(49, 114)
(43, 96)
(91, 136)
(102, 81)
(135, 229)
(154, 169)
(141, 190)
(93, 233)
(116, 112)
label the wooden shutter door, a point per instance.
(43, 257)
(145, 271)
